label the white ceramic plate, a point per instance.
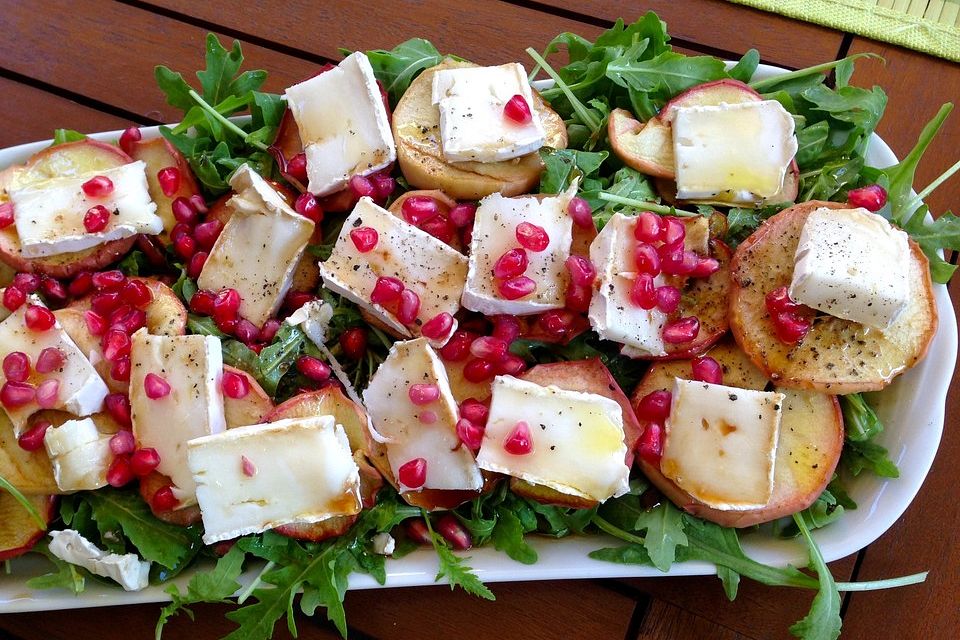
(912, 409)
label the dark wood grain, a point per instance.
(664, 620)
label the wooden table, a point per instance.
(89, 66)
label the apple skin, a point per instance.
(18, 531)
(158, 154)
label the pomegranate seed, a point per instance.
(510, 365)
(164, 500)
(136, 293)
(454, 532)
(246, 465)
(354, 342)
(383, 186)
(226, 304)
(269, 330)
(123, 443)
(677, 262)
(39, 318)
(16, 366)
(32, 438)
(17, 394)
(119, 473)
(179, 230)
(118, 406)
(81, 284)
(519, 441)
(647, 259)
(871, 197)
(462, 215)
(313, 368)
(650, 444)
(706, 369)
(105, 303)
(413, 474)
(296, 299)
(169, 179)
(642, 292)
(97, 187)
(96, 219)
(203, 302)
(578, 298)
(6, 215)
(198, 203)
(470, 433)
(308, 206)
(13, 298)
(790, 327)
(421, 393)
(297, 168)
(364, 238)
(129, 138)
(185, 246)
(682, 330)
(581, 270)
(108, 280)
(418, 209)
(53, 289)
(196, 264)
(440, 228)
(505, 327)
(386, 290)
(206, 234)
(116, 344)
(144, 461)
(246, 331)
(556, 323)
(467, 235)
(655, 406)
(438, 327)
(488, 348)
(48, 393)
(27, 282)
(516, 288)
(517, 110)
(474, 411)
(705, 268)
(409, 306)
(417, 531)
(428, 417)
(120, 369)
(779, 300)
(579, 209)
(477, 370)
(155, 387)
(96, 324)
(650, 227)
(668, 298)
(457, 348)
(361, 186)
(183, 211)
(511, 264)
(235, 385)
(532, 237)
(674, 230)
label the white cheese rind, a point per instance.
(192, 365)
(852, 264)
(254, 478)
(425, 265)
(49, 214)
(721, 443)
(259, 248)
(80, 455)
(396, 419)
(473, 126)
(740, 152)
(127, 570)
(343, 124)
(578, 439)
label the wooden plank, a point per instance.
(727, 27)
(664, 620)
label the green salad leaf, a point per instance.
(212, 585)
(862, 426)
(397, 68)
(823, 621)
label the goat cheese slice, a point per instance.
(192, 365)
(425, 265)
(127, 570)
(81, 390)
(343, 124)
(494, 233)
(720, 443)
(473, 126)
(262, 476)
(738, 153)
(851, 263)
(49, 215)
(419, 431)
(259, 248)
(80, 455)
(577, 439)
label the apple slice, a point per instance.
(159, 154)
(29, 471)
(811, 438)
(252, 408)
(646, 147)
(18, 530)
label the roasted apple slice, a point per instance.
(29, 471)
(811, 438)
(644, 146)
(159, 154)
(18, 530)
(836, 356)
(252, 408)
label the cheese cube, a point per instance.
(721, 443)
(473, 126)
(419, 431)
(737, 153)
(192, 366)
(49, 214)
(262, 476)
(128, 570)
(82, 390)
(852, 264)
(259, 248)
(578, 445)
(494, 233)
(425, 265)
(343, 124)
(80, 455)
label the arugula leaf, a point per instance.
(746, 67)
(940, 233)
(212, 585)
(666, 75)
(563, 166)
(860, 421)
(857, 456)
(66, 575)
(397, 68)
(817, 72)
(62, 136)
(823, 621)
(508, 536)
(454, 568)
(276, 358)
(625, 183)
(742, 222)
(825, 509)
(664, 533)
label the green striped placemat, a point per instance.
(931, 26)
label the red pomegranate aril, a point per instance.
(579, 209)
(296, 299)
(457, 348)
(674, 231)
(361, 186)
(646, 258)
(49, 360)
(477, 370)
(48, 393)
(196, 264)
(97, 187)
(510, 365)
(383, 186)
(682, 330)
(416, 530)
(129, 138)
(581, 270)
(428, 417)
(655, 405)
(136, 293)
(119, 474)
(53, 289)
(235, 385)
(423, 393)
(463, 214)
(120, 369)
(203, 302)
(169, 179)
(309, 207)
(198, 203)
(386, 290)
(183, 211)
(557, 322)
(578, 298)
(519, 441)
(6, 215)
(506, 328)
(27, 282)
(32, 438)
(16, 366)
(144, 461)
(164, 500)
(418, 209)
(81, 284)
(650, 444)
(108, 280)
(226, 302)
(532, 237)
(155, 387)
(17, 394)
(246, 331)
(116, 344)
(13, 298)
(705, 268)
(179, 230)
(39, 318)
(440, 228)
(297, 168)
(706, 369)
(409, 307)
(438, 327)
(313, 368)
(643, 292)
(454, 532)
(466, 235)
(96, 219)
(353, 341)
(413, 474)
(247, 466)
(488, 348)
(790, 327)
(668, 298)
(269, 330)
(779, 300)
(105, 302)
(185, 246)
(517, 109)
(118, 407)
(474, 411)
(123, 443)
(206, 234)
(470, 433)
(649, 227)
(871, 197)
(680, 262)
(364, 238)
(516, 288)
(511, 264)
(96, 323)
